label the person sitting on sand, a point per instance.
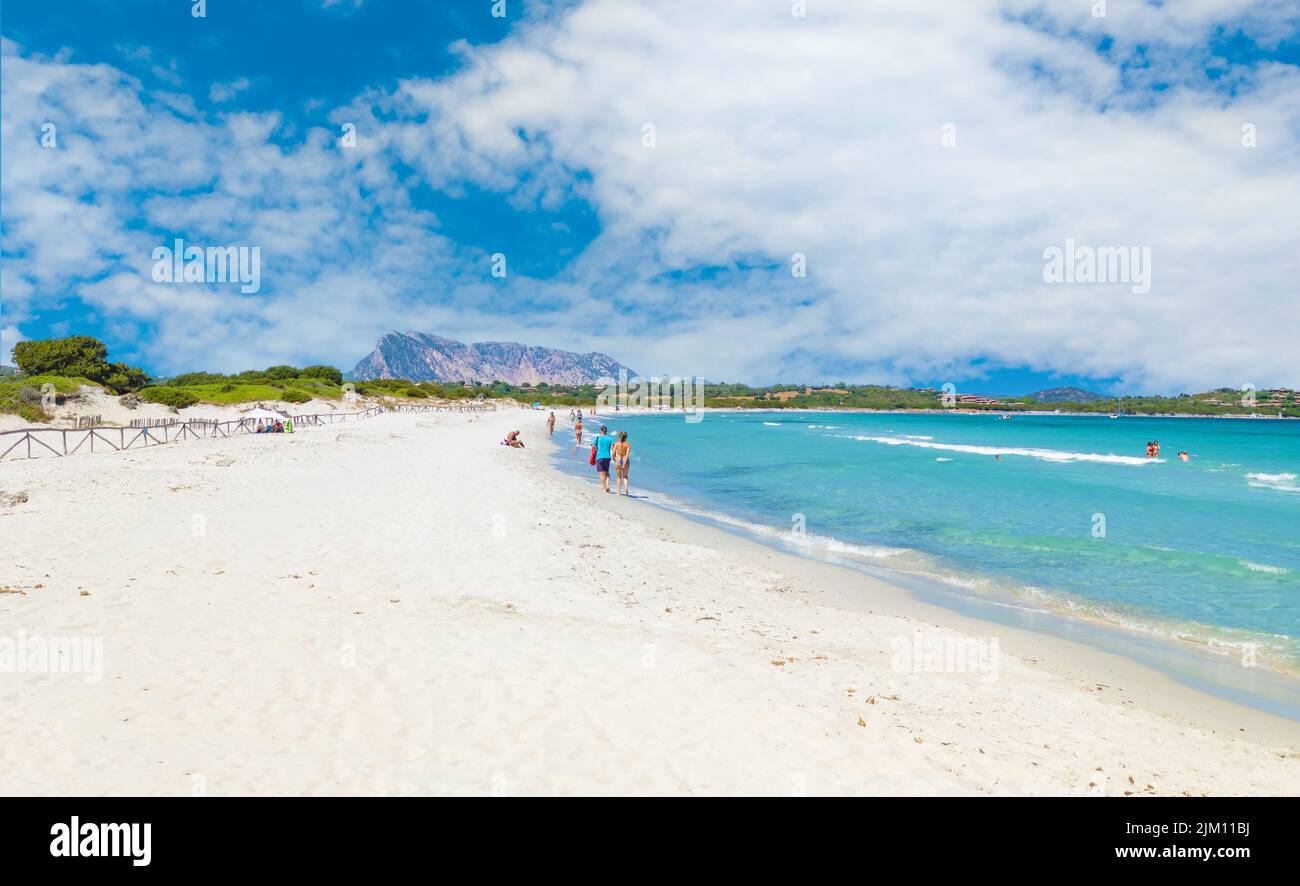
(622, 451)
(512, 440)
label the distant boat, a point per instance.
(1004, 416)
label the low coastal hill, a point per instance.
(1066, 395)
(54, 372)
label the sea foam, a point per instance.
(1056, 455)
(1280, 482)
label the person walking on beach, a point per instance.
(550, 425)
(578, 429)
(604, 445)
(622, 451)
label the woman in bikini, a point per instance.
(622, 452)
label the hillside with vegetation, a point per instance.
(68, 364)
(58, 369)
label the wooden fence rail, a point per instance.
(46, 442)
(447, 407)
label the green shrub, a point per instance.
(77, 356)
(293, 395)
(187, 379)
(32, 412)
(392, 387)
(74, 355)
(123, 379)
(281, 372)
(177, 398)
(415, 392)
(329, 373)
(16, 400)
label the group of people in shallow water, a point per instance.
(1153, 451)
(610, 454)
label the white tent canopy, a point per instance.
(266, 414)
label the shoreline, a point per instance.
(1270, 690)
(777, 410)
(880, 590)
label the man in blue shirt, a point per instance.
(603, 443)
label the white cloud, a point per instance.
(127, 174)
(224, 92)
(822, 135)
(9, 336)
(773, 135)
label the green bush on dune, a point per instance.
(285, 383)
(70, 362)
(327, 373)
(77, 356)
(229, 393)
(21, 395)
(177, 398)
(190, 379)
(16, 399)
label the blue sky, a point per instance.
(919, 161)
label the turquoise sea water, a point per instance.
(1072, 519)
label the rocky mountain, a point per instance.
(421, 356)
(1065, 395)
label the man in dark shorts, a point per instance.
(603, 443)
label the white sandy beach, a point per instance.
(402, 606)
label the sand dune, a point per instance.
(403, 606)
